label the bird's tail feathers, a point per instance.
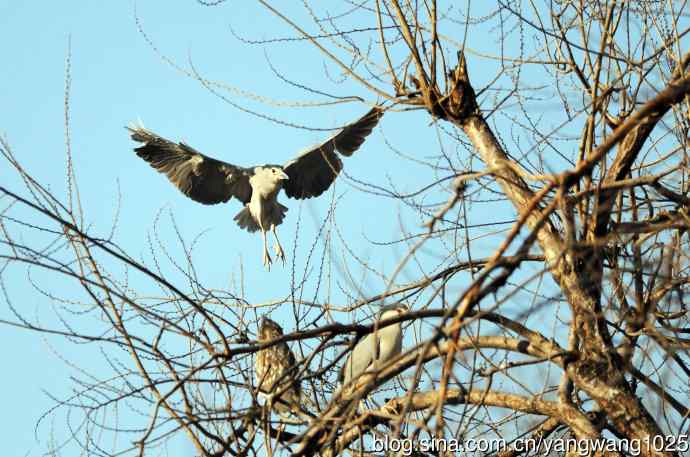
(246, 221)
(279, 213)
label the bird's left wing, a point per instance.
(201, 178)
(313, 171)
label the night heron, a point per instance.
(210, 181)
(372, 351)
(276, 372)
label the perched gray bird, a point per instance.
(372, 351)
(210, 181)
(275, 370)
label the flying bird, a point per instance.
(275, 370)
(211, 181)
(372, 351)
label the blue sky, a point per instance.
(118, 77)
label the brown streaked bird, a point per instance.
(210, 181)
(276, 371)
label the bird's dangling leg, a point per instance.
(279, 249)
(267, 257)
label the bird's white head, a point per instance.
(268, 179)
(392, 311)
(273, 173)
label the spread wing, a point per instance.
(201, 178)
(313, 171)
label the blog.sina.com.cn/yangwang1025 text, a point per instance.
(583, 447)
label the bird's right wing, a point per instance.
(201, 178)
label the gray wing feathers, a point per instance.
(313, 171)
(201, 178)
(359, 360)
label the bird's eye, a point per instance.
(273, 171)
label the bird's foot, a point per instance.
(267, 260)
(279, 253)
